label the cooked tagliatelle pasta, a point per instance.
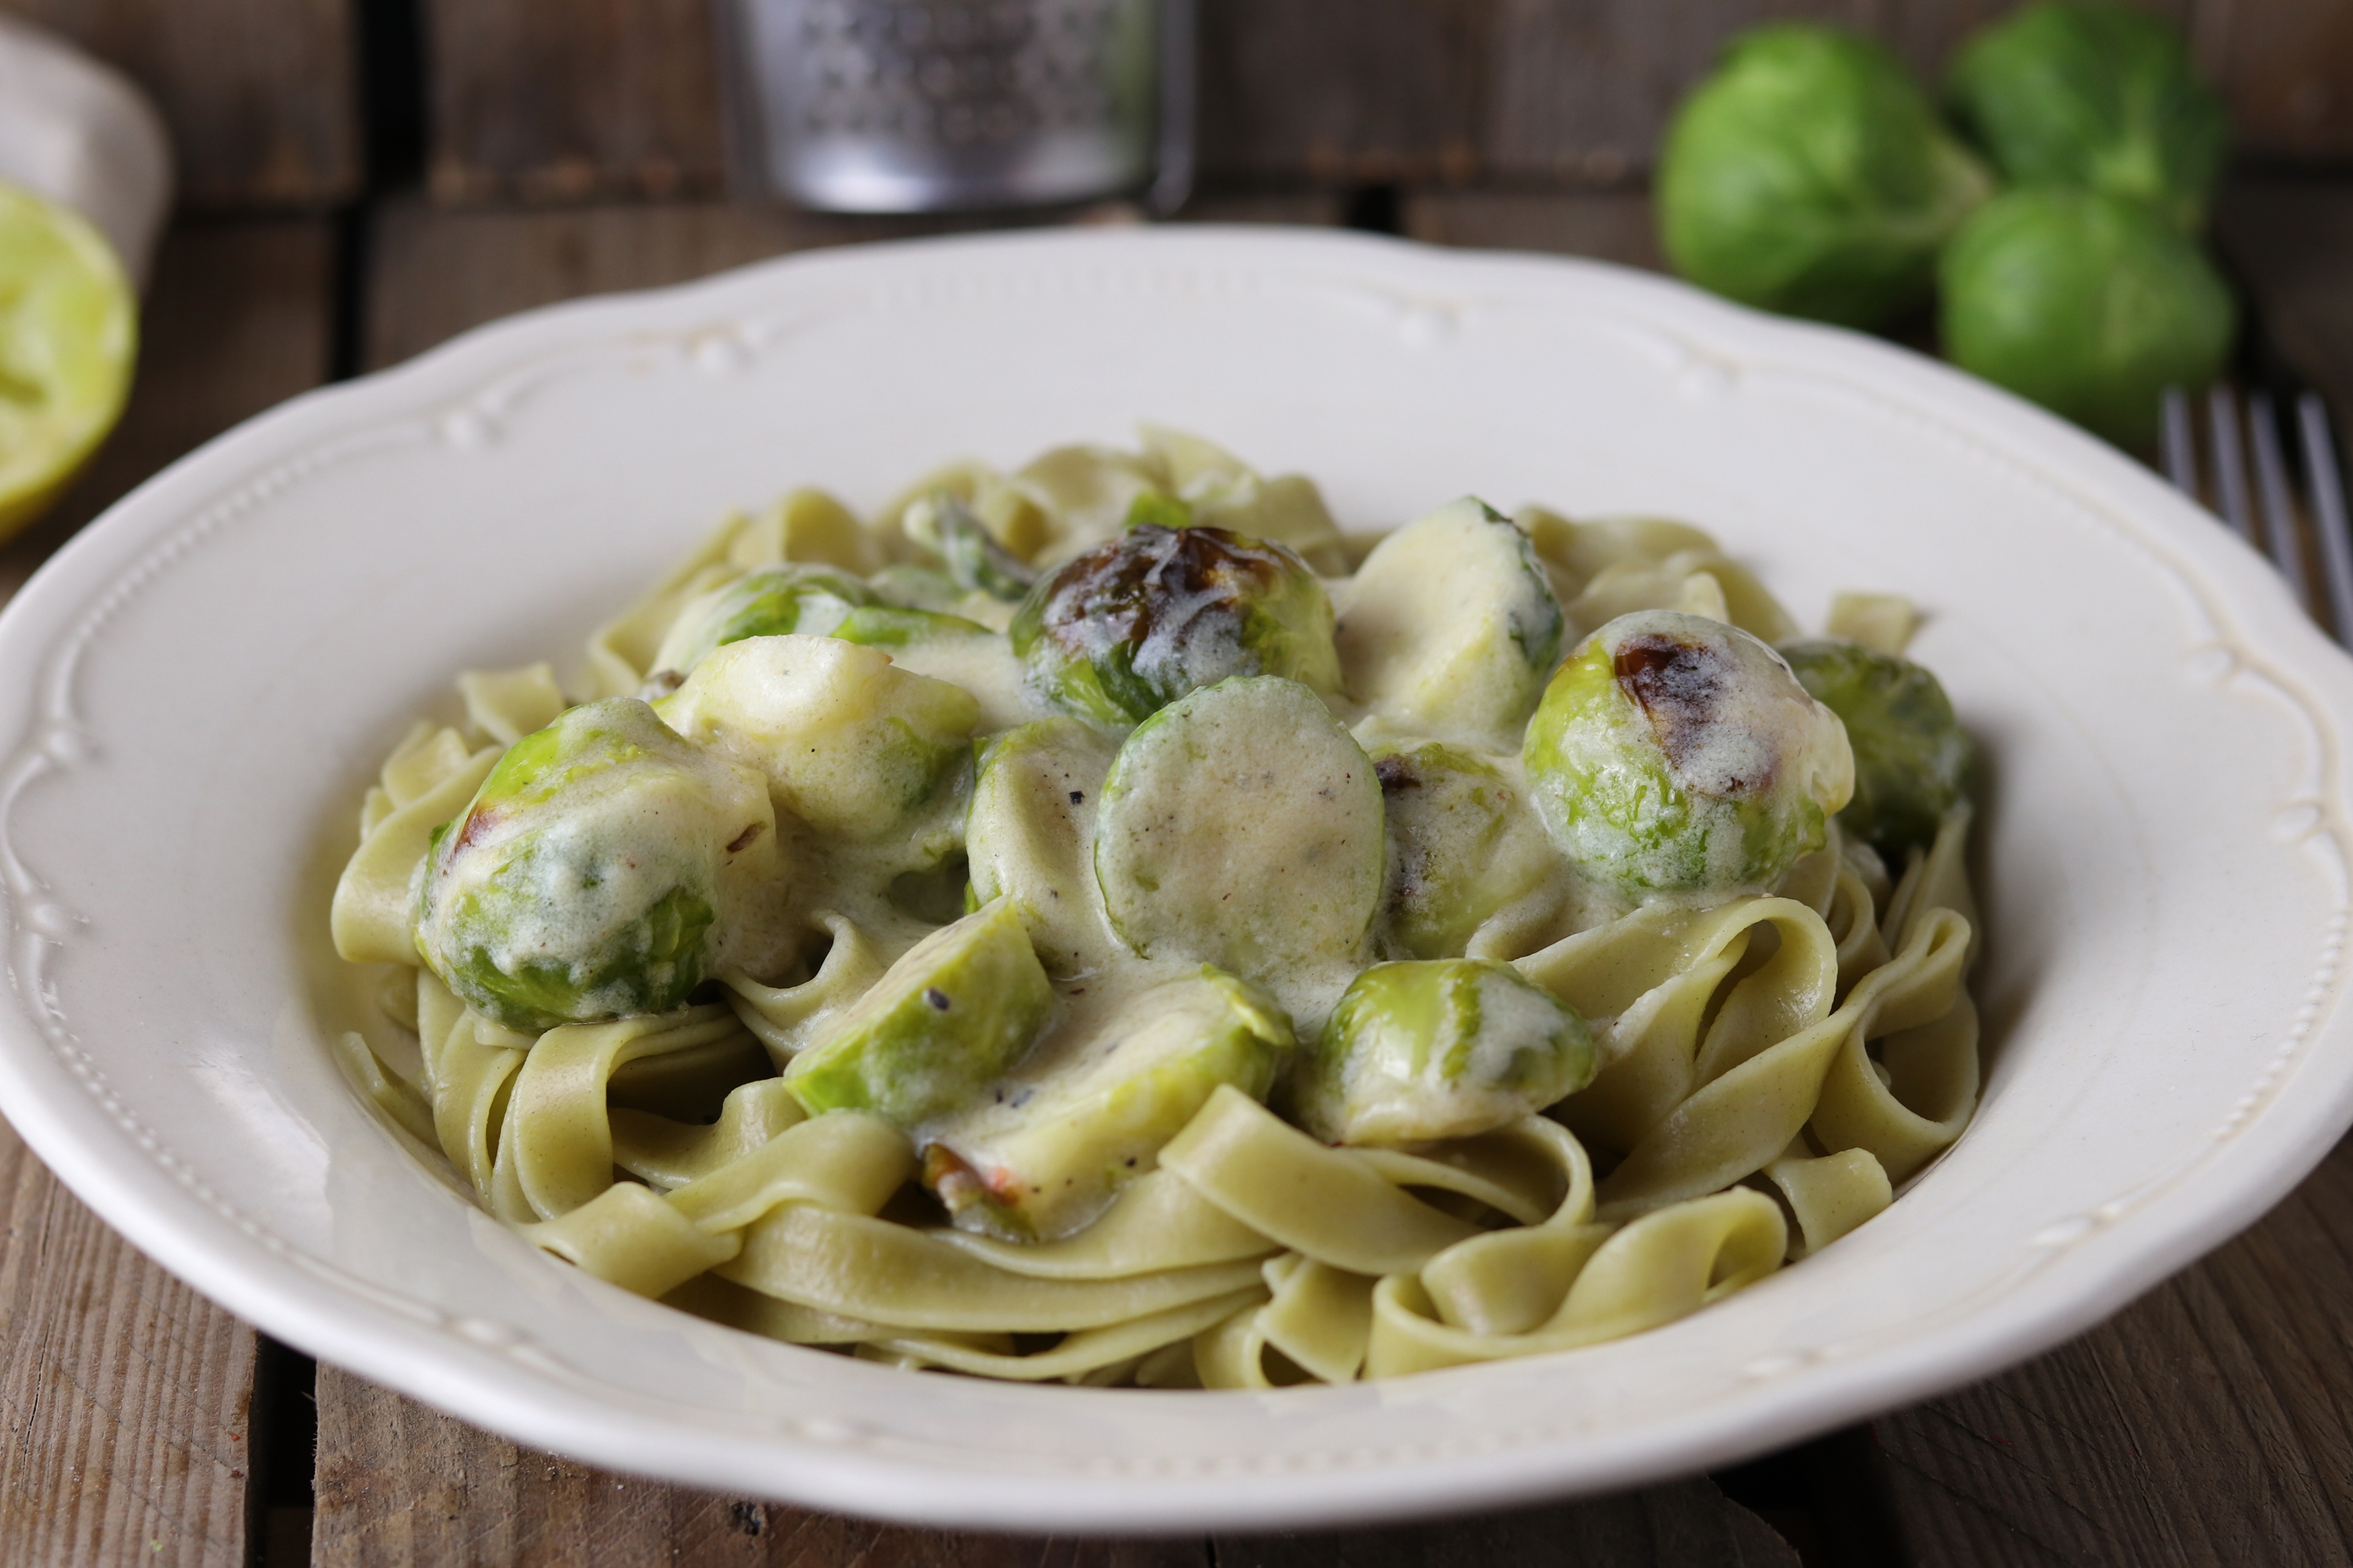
(1102, 923)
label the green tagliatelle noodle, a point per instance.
(1769, 1062)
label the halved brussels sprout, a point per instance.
(1053, 1145)
(943, 523)
(1129, 626)
(1450, 627)
(849, 744)
(600, 871)
(1445, 1050)
(1240, 826)
(958, 1010)
(1910, 754)
(789, 598)
(1030, 829)
(1677, 754)
(1462, 842)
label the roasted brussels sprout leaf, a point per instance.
(1133, 624)
(604, 868)
(1910, 754)
(1046, 1150)
(960, 1008)
(1450, 627)
(1241, 826)
(1809, 175)
(2100, 97)
(789, 598)
(1031, 827)
(1677, 754)
(2091, 305)
(1463, 844)
(1442, 1049)
(944, 524)
(851, 745)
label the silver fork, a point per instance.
(2270, 518)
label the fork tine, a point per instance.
(2328, 510)
(2282, 539)
(2230, 463)
(2180, 452)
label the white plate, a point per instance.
(203, 681)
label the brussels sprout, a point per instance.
(849, 744)
(1809, 175)
(2101, 97)
(1677, 754)
(1030, 828)
(1450, 625)
(767, 604)
(944, 524)
(1223, 491)
(1909, 751)
(1131, 625)
(599, 872)
(917, 588)
(1444, 1049)
(1051, 1146)
(1462, 842)
(887, 626)
(960, 1008)
(1240, 826)
(2090, 305)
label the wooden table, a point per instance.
(2210, 1422)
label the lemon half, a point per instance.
(68, 334)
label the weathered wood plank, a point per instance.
(240, 317)
(2210, 1422)
(1610, 226)
(399, 1484)
(261, 96)
(122, 1395)
(2292, 242)
(619, 97)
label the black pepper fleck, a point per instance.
(936, 997)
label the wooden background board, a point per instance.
(557, 100)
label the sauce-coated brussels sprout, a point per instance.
(1910, 754)
(1031, 827)
(2092, 305)
(1240, 826)
(960, 1008)
(851, 745)
(1676, 754)
(1444, 1049)
(1809, 175)
(809, 599)
(1131, 625)
(1450, 627)
(1463, 844)
(2102, 97)
(1049, 1149)
(600, 871)
(943, 523)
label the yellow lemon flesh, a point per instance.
(68, 332)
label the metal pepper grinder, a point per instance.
(881, 106)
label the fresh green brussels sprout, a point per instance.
(1910, 754)
(1442, 1049)
(2100, 97)
(1131, 625)
(1045, 1154)
(943, 523)
(2091, 305)
(1030, 828)
(1450, 625)
(1463, 844)
(788, 599)
(851, 743)
(959, 1009)
(599, 872)
(1809, 175)
(1676, 754)
(1240, 826)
